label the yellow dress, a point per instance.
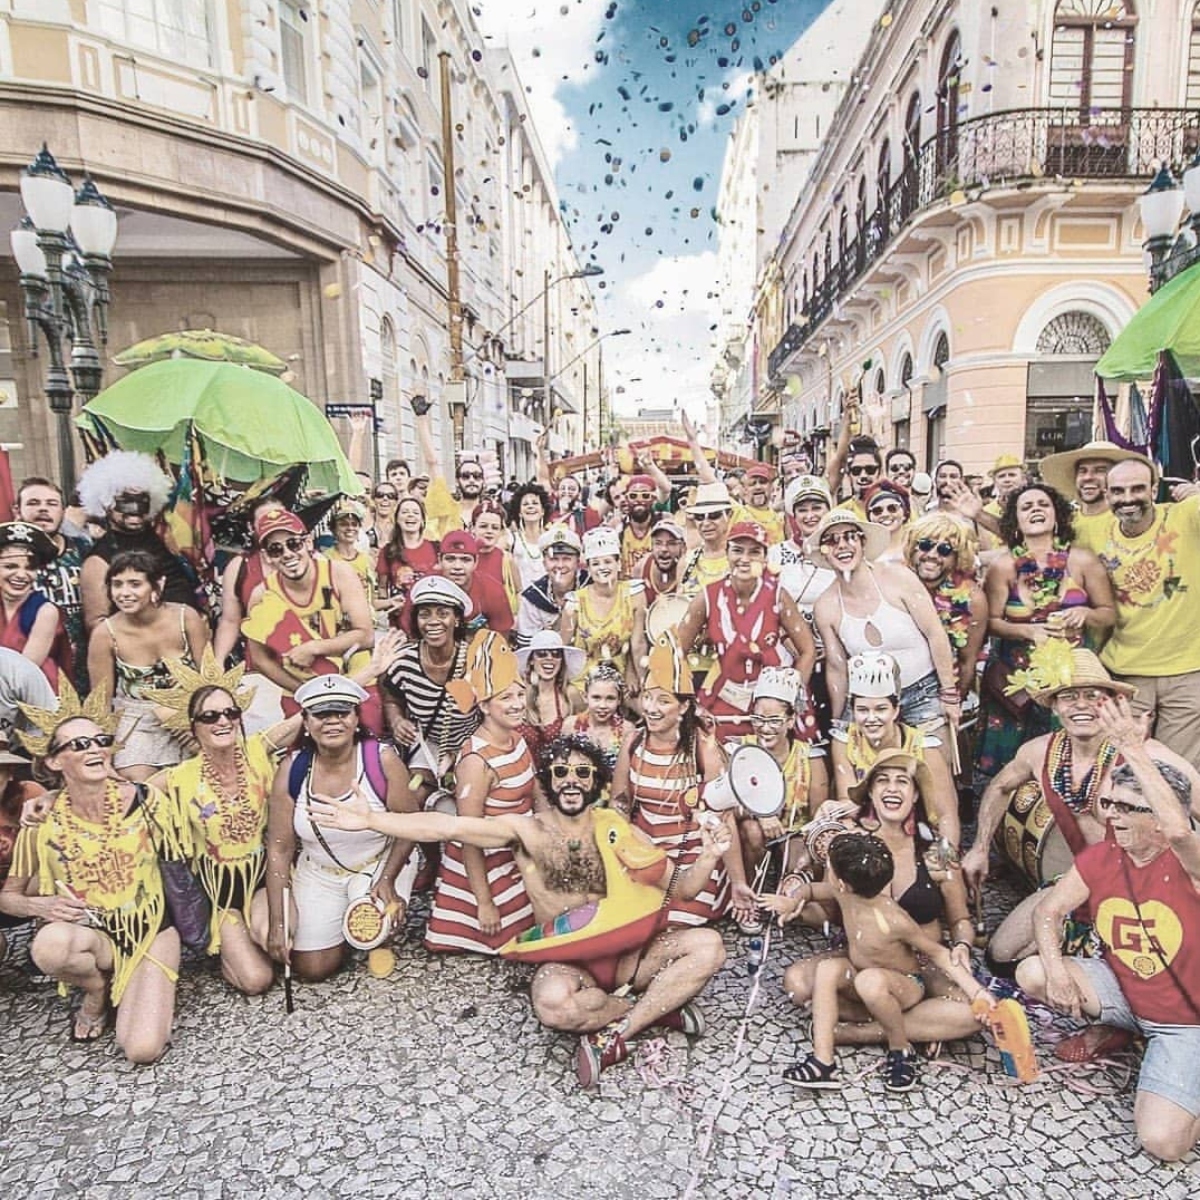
(797, 776)
(111, 866)
(606, 639)
(228, 855)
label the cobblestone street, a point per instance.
(438, 1082)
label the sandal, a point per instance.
(1096, 1041)
(813, 1074)
(88, 1027)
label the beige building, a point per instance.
(967, 242)
(277, 168)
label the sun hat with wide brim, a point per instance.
(549, 639)
(710, 498)
(917, 770)
(1058, 470)
(1087, 671)
(875, 537)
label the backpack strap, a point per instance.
(372, 756)
(298, 770)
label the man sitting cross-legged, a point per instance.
(564, 869)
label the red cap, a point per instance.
(748, 531)
(642, 481)
(460, 542)
(759, 471)
(277, 520)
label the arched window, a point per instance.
(941, 351)
(804, 292)
(1192, 98)
(860, 206)
(828, 255)
(880, 382)
(883, 175)
(906, 370)
(843, 235)
(909, 173)
(947, 103)
(816, 272)
(1091, 55)
(1074, 333)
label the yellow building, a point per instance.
(967, 242)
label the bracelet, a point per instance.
(962, 942)
(801, 878)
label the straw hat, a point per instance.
(1056, 673)
(917, 770)
(1006, 462)
(710, 497)
(875, 537)
(1058, 470)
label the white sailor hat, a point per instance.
(437, 589)
(329, 693)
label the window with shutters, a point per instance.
(1192, 97)
(1091, 55)
(295, 31)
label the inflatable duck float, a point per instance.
(630, 913)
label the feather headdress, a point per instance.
(96, 707)
(189, 680)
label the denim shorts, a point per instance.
(920, 704)
(1171, 1066)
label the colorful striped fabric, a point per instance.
(454, 922)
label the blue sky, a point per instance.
(634, 101)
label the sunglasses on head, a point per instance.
(943, 548)
(582, 771)
(278, 549)
(84, 742)
(211, 716)
(1121, 808)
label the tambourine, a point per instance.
(366, 923)
(818, 836)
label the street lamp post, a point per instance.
(63, 248)
(1171, 246)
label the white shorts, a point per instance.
(322, 894)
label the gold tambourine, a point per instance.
(366, 923)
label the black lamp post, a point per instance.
(63, 249)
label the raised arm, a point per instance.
(704, 469)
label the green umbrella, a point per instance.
(252, 424)
(1169, 320)
(205, 344)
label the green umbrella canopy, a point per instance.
(205, 344)
(1169, 320)
(252, 424)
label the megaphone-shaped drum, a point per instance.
(752, 782)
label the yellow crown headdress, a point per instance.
(96, 707)
(188, 681)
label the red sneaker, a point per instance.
(598, 1051)
(687, 1018)
(1096, 1041)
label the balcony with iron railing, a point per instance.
(999, 150)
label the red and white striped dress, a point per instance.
(454, 923)
(660, 788)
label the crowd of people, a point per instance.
(529, 700)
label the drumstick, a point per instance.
(955, 759)
(289, 1002)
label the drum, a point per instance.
(664, 616)
(1029, 840)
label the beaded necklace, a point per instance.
(73, 827)
(1044, 583)
(1082, 798)
(237, 813)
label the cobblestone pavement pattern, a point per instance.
(438, 1082)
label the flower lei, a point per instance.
(1044, 583)
(952, 599)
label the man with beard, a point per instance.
(1153, 555)
(541, 602)
(444, 512)
(757, 506)
(940, 551)
(563, 870)
(40, 503)
(639, 515)
(900, 466)
(130, 490)
(1080, 475)
(660, 568)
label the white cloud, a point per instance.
(553, 43)
(734, 87)
(670, 309)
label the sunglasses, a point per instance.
(211, 716)
(864, 470)
(943, 548)
(713, 516)
(80, 744)
(885, 510)
(582, 771)
(386, 495)
(470, 474)
(849, 536)
(1121, 808)
(546, 653)
(278, 549)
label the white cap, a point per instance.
(922, 484)
(601, 543)
(560, 535)
(806, 487)
(329, 693)
(437, 589)
(671, 527)
(873, 675)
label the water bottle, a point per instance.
(754, 956)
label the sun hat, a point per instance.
(1060, 666)
(917, 770)
(709, 498)
(1058, 470)
(551, 639)
(875, 537)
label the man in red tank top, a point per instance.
(1142, 883)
